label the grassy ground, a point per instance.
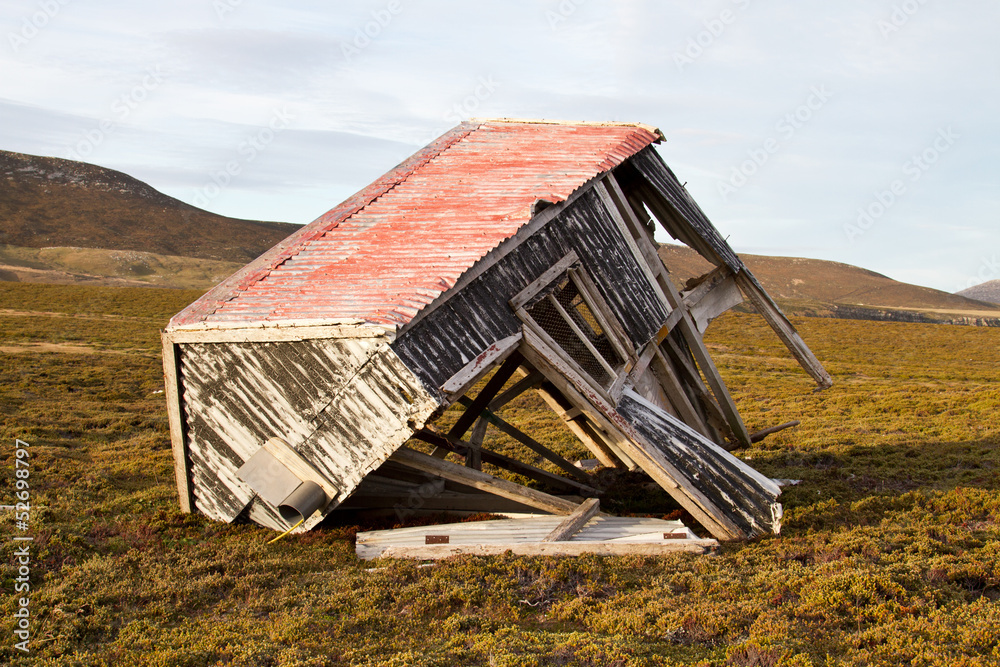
(889, 553)
(93, 266)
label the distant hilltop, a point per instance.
(988, 291)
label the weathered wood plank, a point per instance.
(569, 526)
(544, 280)
(474, 457)
(712, 298)
(440, 551)
(172, 393)
(272, 334)
(578, 426)
(471, 373)
(781, 326)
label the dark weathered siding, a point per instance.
(343, 404)
(649, 163)
(745, 496)
(444, 341)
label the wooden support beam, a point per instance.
(530, 443)
(462, 448)
(697, 346)
(577, 423)
(786, 332)
(572, 524)
(530, 381)
(489, 392)
(671, 384)
(471, 373)
(474, 458)
(172, 393)
(482, 481)
(557, 373)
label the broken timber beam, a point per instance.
(786, 332)
(530, 443)
(462, 448)
(572, 524)
(482, 481)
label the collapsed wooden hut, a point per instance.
(519, 248)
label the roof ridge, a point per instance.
(655, 131)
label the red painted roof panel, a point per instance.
(390, 250)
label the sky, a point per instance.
(860, 132)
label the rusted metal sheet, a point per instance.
(395, 246)
(343, 404)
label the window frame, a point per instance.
(570, 267)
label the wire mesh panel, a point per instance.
(567, 318)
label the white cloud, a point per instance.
(358, 113)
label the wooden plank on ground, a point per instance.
(574, 522)
(439, 551)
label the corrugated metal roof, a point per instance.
(398, 244)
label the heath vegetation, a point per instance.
(889, 553)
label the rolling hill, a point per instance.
(51, 208)
(988, 291)
(819, 287)
(71, 222)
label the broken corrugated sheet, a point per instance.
(602, 535)
(743, 495)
